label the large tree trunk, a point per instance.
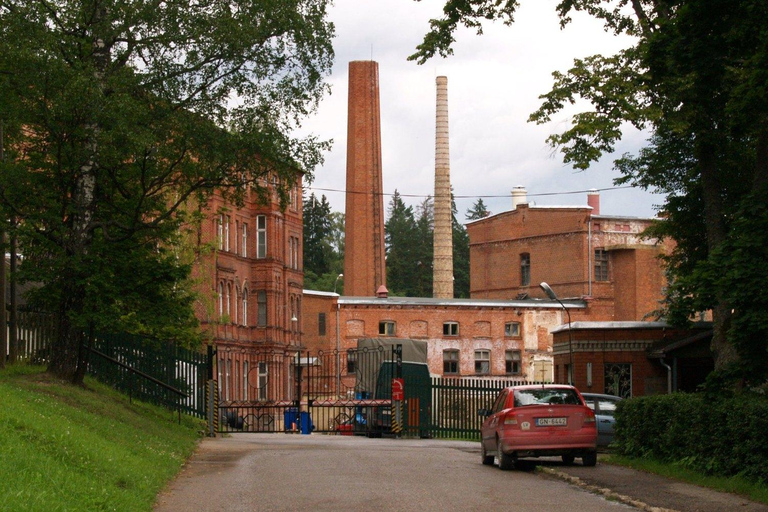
(724, 352)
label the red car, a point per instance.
(539, 420)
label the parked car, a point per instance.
(604, 407)
(538, 420)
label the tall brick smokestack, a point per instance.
(364, 267)
(442, 277)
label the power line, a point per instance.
(423, 196)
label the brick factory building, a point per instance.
(250, 288)
(580, 253)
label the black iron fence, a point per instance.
(456, 402)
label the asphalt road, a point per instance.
(246, 472)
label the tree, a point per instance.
(460, 254)
(121, 118)
(323, 245)
(696, 77)
(478, 211)
(400, 240)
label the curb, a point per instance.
(607, 493)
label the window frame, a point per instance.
(384, 328)
(525, 269)
(601, 267)
(261, 310)
(451, 361)
(481, 361)
(451, 329)
(261, 236)
(510, 362)
(508, 332)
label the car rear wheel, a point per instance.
(568, 460)
(506, 462)
(589, 459)
(487, 459)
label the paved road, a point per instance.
(248, 472)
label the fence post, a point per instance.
(212, 409)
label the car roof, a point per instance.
(541, 386)
(599, 395)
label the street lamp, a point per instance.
(551, 294)
(338, 342)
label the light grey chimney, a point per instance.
(519, 196)
(442, 276)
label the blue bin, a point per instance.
(290, 418)
(306, 423)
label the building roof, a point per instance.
(490, 303)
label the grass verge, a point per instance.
(735, 484)
(64, 447)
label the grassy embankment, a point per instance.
(754, 491)
(70, 448)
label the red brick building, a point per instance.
(250, 285)
(632, 358)
(580, 253)
(466, 337)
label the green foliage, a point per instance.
(119, 116)
(478, 211)
(323, 246)
(715, 435)
(72, 448)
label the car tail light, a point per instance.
(589, 418)
(510, 420)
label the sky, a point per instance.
(494, 84)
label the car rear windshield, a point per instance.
(546, 397)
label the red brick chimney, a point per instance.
(593, 200)
(364, 265)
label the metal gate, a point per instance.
(302, 392)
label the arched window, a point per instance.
(221, 299)
(236, 305)
(245, 306)
(229, 297)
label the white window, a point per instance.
(261, 236)
(220, 231)
(229, 298)
(244, 241)
(512, 329)
(226, 232)
(482, 362)
(245, 380)
(263, 379)
(245, 306)
(221, 299)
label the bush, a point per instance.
(721, 437)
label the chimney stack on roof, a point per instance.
(442, 276)
(519, 196)
(593, 200)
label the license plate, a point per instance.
(551, 422)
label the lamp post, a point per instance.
(551, 294)
(338, 340)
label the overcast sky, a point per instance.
(494, 82)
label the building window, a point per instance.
(525, 269)
(244, 241)
(386, 328)
(513, 360)
(261, 236)
(351, 361)
(245, 380)
(245, 306)
(228, 300)
(450, 361)
(601, 265)
(220, 231)
(451, 329)
(293, 245)
(512, 329)
(263, 379)
(618, 379)
(482, 362)
(226, 232)
(321, 324)
(221, 299)
(261, 301)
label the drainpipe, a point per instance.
(590, 268)
(669, 376)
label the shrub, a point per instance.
(722, 437)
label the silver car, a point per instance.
(604, 407)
